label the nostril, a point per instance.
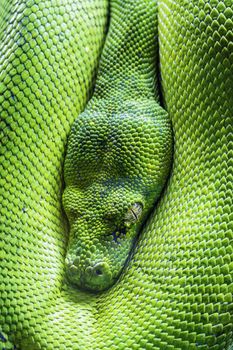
(98, 272)
(100, 269)
(97, 277)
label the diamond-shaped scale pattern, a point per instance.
(177, 291)
(49, 54)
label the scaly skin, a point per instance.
(119, 152)
(176, 292)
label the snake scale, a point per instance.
(176, 290)
(119, 151)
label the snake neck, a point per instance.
(128, 65)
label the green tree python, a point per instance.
(175, 292)
(118, 153)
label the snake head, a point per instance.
(116, 165)
(101, 236)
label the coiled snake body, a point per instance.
(176, 292)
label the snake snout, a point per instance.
(97, 277)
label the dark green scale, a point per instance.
(119, 151)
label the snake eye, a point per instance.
(133, 213)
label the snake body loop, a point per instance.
(176, 291)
